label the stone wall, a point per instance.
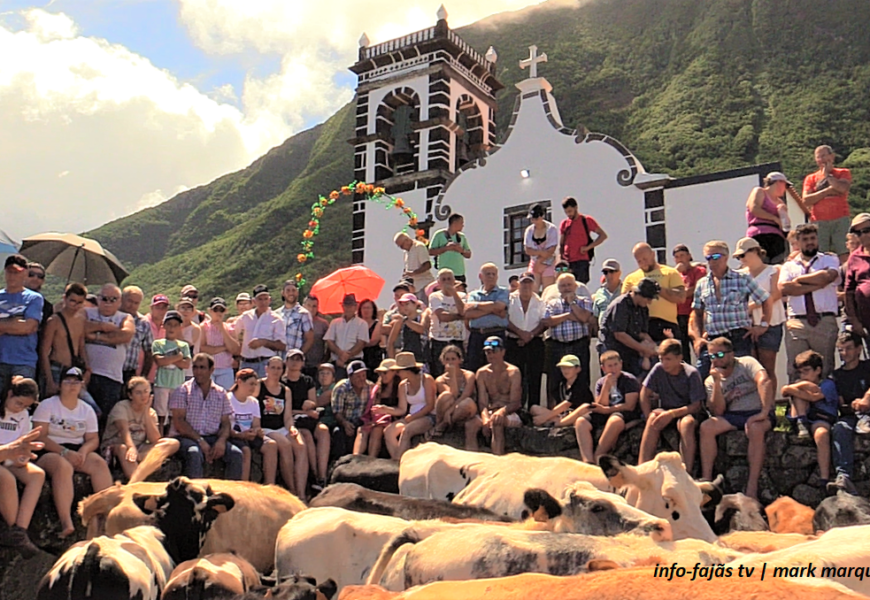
(789, 470)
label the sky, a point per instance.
(111, 106)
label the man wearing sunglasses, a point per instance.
(34, 282)
(858, 278)
(809, 283)
(20, 315)
(740, 396)
(108, 333)
(721, 307)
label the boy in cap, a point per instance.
(172, 356)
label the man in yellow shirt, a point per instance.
(663, 310)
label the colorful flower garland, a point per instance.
(369, 192)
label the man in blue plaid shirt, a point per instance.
(143, 339)
(568, 318)
(721, 307)
(298, 326)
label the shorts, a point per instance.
(161, 401)
(774, 244)
(832, 235)
(738, 418)
(283, 431)
(772, 339)
(513, 420)
(550, 271)
(256, 443)
(305, 422)
(71, 447)
(598, 420)
(816, 416)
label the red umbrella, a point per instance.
(360, 281)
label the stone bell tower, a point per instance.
(425, 108)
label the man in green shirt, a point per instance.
(450, 247)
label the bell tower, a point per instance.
(425, 108)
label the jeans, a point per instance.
(7, 372)
(224, 378)
(258, 367)
(194, 460)
(742, 347)
(529, 359)
(106, 392)
(843, 445)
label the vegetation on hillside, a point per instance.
(690, 86)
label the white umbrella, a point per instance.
(74, 257)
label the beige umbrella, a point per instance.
(74, 257)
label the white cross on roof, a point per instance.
(533, 60)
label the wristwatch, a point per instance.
(764, 324)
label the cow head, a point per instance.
(736, 512)
(302, 587)
(842, 510)
(184, 512)
(585, 509)
(664, 489)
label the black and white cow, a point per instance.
(378, 474)
(841, 510)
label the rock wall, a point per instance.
(790, 469)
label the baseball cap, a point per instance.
(350, 300)
(243, 296)
(777, 176)
(189, 289)
(356, 366)
(259, 289)
(217, 302)
(744, 245)
(173, 315)
(859, 218)
(648, 288)
(326, 367)
(408, 298)
(295, 352)
(527, 277)
(185, 300)
(16, 262)
(402, 285)
(159, 299)
(493, 342)
(611, 264)
(680, 248)
(74, 372)
(569, 360)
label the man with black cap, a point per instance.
(262, 333)
(625, 327)
(347, 336)
(349, 398)
(298, 328)
(499, 397)
(20, 316)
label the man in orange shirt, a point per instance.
(826, 194)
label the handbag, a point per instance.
(591, 251)
(77, 361)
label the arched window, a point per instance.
(469, 134)
(397, 149)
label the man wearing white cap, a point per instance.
(809, 282)
(857, 283)
(826, 194)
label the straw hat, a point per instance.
(386, 365)
(406, 360)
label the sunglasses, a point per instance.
(492, 346)
(192, 295)
(714, 256)
(718, 354)
(607, 271)
(109, 299)
(861, 231)
(562, 269)
(37, 275)
(219, 309)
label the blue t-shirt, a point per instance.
(20, 349)
(829, 404)
(497, 294)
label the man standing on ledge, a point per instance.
(20, 316)
(487, 314)
(826, 194)
(417, 264)
(575, 239)
(450, 247)
(263, 333)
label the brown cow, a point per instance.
(786, 515)
(213, 576)
(620, 584)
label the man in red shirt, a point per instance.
(691, 273)
(575, 239)
(826, 194)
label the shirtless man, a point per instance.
(54, 352)
(499, 397)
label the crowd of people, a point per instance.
(690, 347)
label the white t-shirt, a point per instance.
(66, 426)
(107, 360)
(13, 426)
(452, 330)
(415, 258)
(244, 413)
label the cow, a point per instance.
(416, 557)
(211, 577)
(133, 565)
(844, 549)
(786, 515)
(736, 512)
(762, 541)
(585, 509)
(608, 585)
(297, 587)
(378, 474)
(841, 510)
(249, 529)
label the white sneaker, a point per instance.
(863, 425)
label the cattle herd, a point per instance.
(448, 523)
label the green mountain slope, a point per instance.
(690, 86)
